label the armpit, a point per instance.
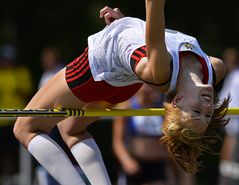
(219, 69)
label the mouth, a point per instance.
(207, 97)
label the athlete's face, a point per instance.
(198, 105)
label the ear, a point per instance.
(177, 101)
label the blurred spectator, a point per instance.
(16, 89)
(136, 144)
(229, 165)
(51, 64)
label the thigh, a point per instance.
(73, 129)
(54, 94)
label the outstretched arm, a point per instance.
(156, 68)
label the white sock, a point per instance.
(51, 156)
(90, 160)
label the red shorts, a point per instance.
(82, 84)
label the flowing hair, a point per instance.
(184, 145)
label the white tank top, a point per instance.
(110, 51)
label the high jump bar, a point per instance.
(64, 112)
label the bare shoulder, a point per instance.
(219, 67)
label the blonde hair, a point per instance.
(184, 145)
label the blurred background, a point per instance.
(38, 37)
(32, 25)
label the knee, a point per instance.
(72, 138)
(22, 132)
(17, 129)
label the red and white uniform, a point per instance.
(115, 51)
(110, 51)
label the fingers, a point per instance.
(119, 13)
(105, 10)
(110, 14)
(108, 18)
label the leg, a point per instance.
(32, 131)
(84, 148)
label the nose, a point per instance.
(206, 108)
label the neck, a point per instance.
(190, 74)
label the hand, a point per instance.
(131, 167)
(110, 15)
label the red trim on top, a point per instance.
(135, 57)
(204, 69)
(139, 52)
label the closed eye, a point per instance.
(208, 116)
(197, 112)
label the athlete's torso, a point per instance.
(110, 52)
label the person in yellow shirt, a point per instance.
(16, 88)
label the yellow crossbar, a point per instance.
(89, 112)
